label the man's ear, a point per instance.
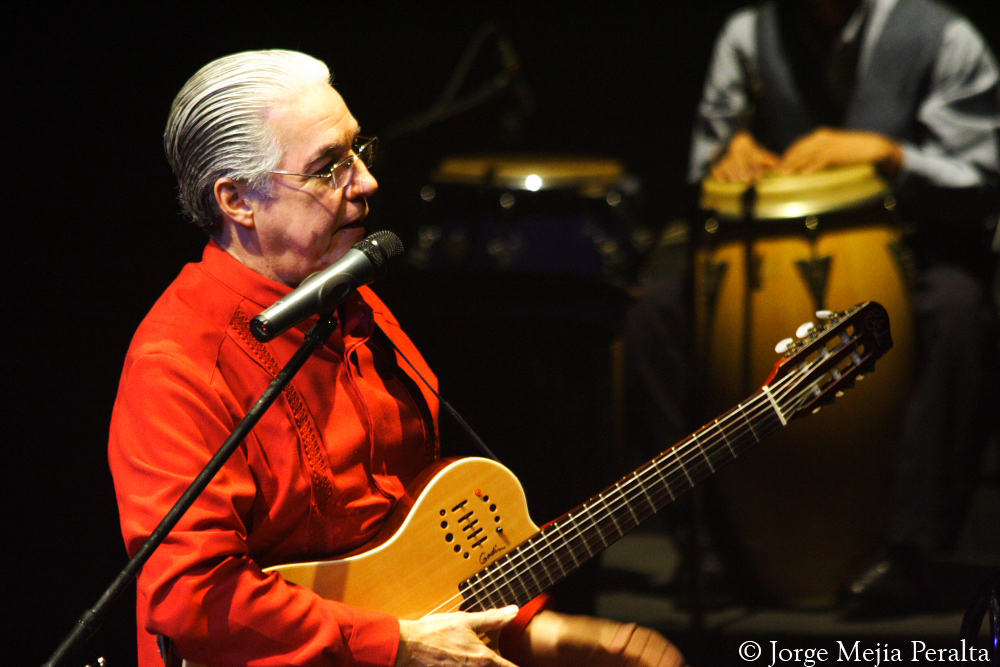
(231, 196)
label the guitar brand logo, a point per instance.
(485, 558)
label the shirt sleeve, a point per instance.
(201, 588)
(725, 105)
(960, 115)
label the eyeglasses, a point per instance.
(339, 174)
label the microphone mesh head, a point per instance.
(379, 248)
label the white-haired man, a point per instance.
(270, 163)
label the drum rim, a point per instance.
(832, 190)
(529, 172)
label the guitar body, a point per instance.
(456, 519)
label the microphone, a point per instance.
(325, 290)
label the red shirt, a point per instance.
(317, 476)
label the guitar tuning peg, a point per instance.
(805, 329)
(839, 393)
(784, 346)
(824, 314)
(859, 377)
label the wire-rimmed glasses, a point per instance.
(339, 174)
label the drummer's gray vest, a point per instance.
(885, 96)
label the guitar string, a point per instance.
(491, 587)
(507, 569)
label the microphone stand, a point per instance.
(91, 619)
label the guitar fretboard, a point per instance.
(572, 540)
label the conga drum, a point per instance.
(807, 506)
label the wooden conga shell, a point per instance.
(808, 506)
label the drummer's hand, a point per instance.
(745, 160)
(452, 640)
(557, 640)
(828, 147)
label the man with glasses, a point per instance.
(271, 164)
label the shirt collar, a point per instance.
(262, 291)
(240, 278)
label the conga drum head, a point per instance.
(808, 506)
(798, 195)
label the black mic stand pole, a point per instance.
(91, 619)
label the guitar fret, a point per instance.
(595, 525)
(520, 582)
(686, 474)
(744, 436)
(479, 594)
(627, 503)
(774, 404)
(554, 555)
(491, 589)
(568, 544)
(703, 453)
(740, 408)
(642, 487)
(652, 484)
(531, 571)
(666, 484)
(582, 533)
(725, 439)
(541, 559)
(611, 514)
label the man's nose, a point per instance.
(362, 184)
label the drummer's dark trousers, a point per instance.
(954, 409)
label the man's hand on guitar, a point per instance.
(558, 640)
(441, 640)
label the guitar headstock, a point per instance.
(826, 361)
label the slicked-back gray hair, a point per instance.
(218, 126)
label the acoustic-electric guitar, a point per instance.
(462, 539)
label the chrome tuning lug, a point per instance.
(785, 346)
(805, 329)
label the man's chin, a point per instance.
(352, 233)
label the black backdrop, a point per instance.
(93, 233)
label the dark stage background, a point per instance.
(93, 231)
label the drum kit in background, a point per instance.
(530, 214)
(808, 506)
